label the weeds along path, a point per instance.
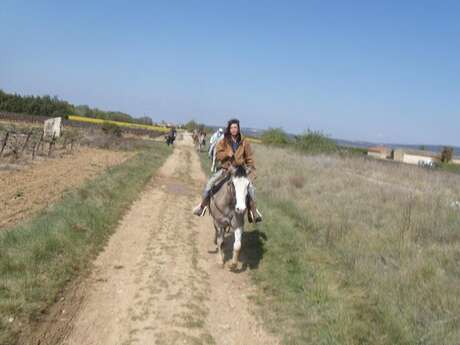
(157, 281)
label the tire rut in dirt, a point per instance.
(172, 286)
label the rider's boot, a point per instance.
(200, 210)
(254, 216)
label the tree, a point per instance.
(446, 154)
(145, 120)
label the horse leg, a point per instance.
(236, 247)
(220, 245)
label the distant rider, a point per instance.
(213, 141)
(173, 132)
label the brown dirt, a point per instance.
(158, 281)
(28, 189)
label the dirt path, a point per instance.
(158, 282)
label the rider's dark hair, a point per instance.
(229, 124)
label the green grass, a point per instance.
(450, 167)
(38, 258)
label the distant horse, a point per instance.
(201, 141)
(227, 208)
(195, 137)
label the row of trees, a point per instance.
(53, 107)
(193, 125)
(34, 105)
(84, 110)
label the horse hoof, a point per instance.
(233, 266)
(221, 262)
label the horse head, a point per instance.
(240, 182)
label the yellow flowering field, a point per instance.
(118, 123)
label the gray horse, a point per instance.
(227, 207)
(201, 141)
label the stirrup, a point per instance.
(253, 219)
(202, 211)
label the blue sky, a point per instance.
(363, 70)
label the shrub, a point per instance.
(275, 136)
(112, 129)
(447, 154)
(315, 142)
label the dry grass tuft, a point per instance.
(298, 181)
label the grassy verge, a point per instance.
(39, 258)
(450, 167)
(357, 251)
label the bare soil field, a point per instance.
(27, 189)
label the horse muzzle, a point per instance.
(240, 209)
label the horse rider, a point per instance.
(173, 133)
(195, 135)
(214, 139)
(233, 151)
(203, 136)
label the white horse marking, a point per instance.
(237, 243)
(241, 191)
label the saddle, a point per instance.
(218, 185)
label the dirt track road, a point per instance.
(157, 281)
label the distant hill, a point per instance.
(255, 132)
(366, 144)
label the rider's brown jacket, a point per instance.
(242, 156)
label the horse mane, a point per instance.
(240, 171)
